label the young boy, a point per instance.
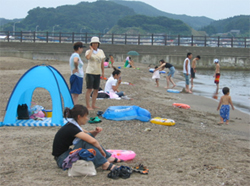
(217, 75)
(187, 70)
(224, 106)
(193, 70)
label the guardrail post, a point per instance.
(232, 42)
(139, 39)
(21, 38)
(47, 37)
(205, 41)
(152, 39)
(178, 40)
(73, 37)
(34, 36)
(166, 40)
(245, 42)
(60, 37)
(86, 38)
(8, 36)
(218, 41)
(192, 40)
(125, 39)
(112, 38)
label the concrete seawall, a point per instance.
(230, 58)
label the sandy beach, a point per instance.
(196, 151)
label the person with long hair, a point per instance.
(164, 64)
(73, 134)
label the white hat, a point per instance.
(95, 40)
(216, 61)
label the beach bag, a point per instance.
(22, 111)
(101, 94)
(82, 168)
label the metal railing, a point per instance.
(127, 39)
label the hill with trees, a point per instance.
(142, 8)
(141, 24)
(88, 17)
(241, 23)
(4, 21)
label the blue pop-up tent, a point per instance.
(46, 77)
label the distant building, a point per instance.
(236, 32)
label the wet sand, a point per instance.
(196, 151)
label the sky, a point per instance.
(215, 9)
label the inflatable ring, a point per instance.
(173, 91)
(181, 105)
(124, 155)
(161, 72)
(162, 121)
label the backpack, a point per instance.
(22, 112)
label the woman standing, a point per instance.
(76, 68)
(164, 64)
(95, 68)
(73, 134)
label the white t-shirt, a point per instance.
(80, 72)
(156, 75)
(111, 82)
(95, 62)
(188, 66)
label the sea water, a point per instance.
(237, 81)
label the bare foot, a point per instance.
(95, 107)
(226, 123)
(190, 92)
(220, 123)
(166, 87)
(90, 108)
(173, 85)
(156, 86)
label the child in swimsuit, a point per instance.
(224, 106)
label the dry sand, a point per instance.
(196, 151)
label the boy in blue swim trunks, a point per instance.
(224, 106)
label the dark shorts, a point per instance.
(192, 73)
(75, 84)
(92, 81)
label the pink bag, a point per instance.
(39, 114)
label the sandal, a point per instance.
(125, 172)
(116, 160)
(114, 173)
(99, 113)
(95, 120)
(141, 169)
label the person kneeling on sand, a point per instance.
(73, 134)
(224, 106)
(113, 83)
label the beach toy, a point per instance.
(161, 72)
(173, 91)
(119, 67)
(181, 105)
(162, 121)
(124, 155)
(106, 64)
(104, 78)
(48, 113)
(119, 113)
